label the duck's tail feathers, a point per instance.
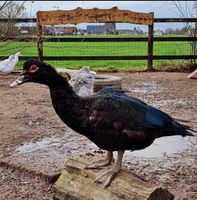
(184, 130)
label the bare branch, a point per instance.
(5, 4)
(11, 10)
(186, 11)
(20, 9)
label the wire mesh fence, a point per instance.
(128, 42)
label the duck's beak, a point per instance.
(20, 80)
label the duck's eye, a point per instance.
(33, 69)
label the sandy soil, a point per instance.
(32, 136)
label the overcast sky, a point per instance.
(161, 9)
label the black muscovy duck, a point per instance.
(109, 118)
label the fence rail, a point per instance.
(162, 57)
(156, 20)
(97, 39)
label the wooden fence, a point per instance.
(114, 39)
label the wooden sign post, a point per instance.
(95, 15)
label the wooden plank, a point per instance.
(77, 183)
(168, 20)
(162, 57)
(174, 57)
(100, 39)
(174, 39)
(94, 15)
(95, 58)
(19, 39)
(93, 39)
(18, 20)
(192, 74)
(156, 20)
(85, 57)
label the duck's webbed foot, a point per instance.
(102, 162)
(107, 176)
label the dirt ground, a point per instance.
(33, 137)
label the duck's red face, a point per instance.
(26, 75)
(37, 72)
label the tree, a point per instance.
(189, 10)
(169, 31)
(10, 10)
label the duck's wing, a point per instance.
(121, 93)
(4, 64)
(130, 112)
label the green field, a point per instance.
(98, 49)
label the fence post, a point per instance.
(150, 47)
(40, 43)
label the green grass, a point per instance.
(98, 49)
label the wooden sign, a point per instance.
(94, 15)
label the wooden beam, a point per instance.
(77, 183)
(174, 39)
(170, 20)
(95, 15)
(156, 20)
(162, 57)
(100, 39)
(85, 57)
(95, 39)
(18, 20)
(174, 57)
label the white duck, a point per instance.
(82, 81)
(8, 65)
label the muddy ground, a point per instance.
(33, 138)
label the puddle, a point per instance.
(146, 87)
(165, 146)
(33, 146)
(65, 145)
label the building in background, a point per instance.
(48, 30)
(107, 28)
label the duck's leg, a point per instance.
(102, 162)
(108, 175)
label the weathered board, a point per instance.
(77, 183)
(94, 15)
